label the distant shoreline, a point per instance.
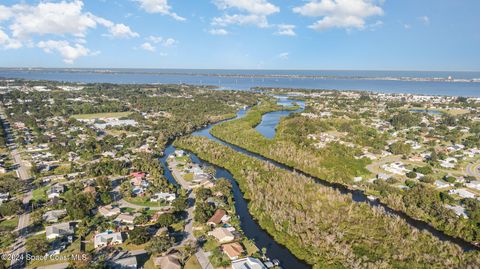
(254, 74)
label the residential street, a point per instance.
(24, 219)
(473, 170)
(201, 255)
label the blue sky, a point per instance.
(266, 34)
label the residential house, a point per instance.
(59, 230)
(107, 238)
(441, 184)
(233, 250)
(218, 217)
(459, 210)
(223, 235)
(137, 176)
(54, 215)
(55, 191)
(474, 185)
(179, 153)
(125, 218)
(462, 193)
(5, 196)
(90, 189)
(109, 211)
(163, 196)
(248, 262)
(167, 262)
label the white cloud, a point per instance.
(283, 56)
(347, 14)
(251, 19)
(259, 7)
(7, 42)
(51, 18)
(28, 23)
(252, 12)
(166, 42)
(159, 6)
(69, 52)
(5, 13)
(407, 26)
(286, 30)
(218, 31)
(425, 20)
(122, 31)
(147, 46)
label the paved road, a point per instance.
(201, 255)
(473, 170)
(24, 219)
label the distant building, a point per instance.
(223, 235)
(4, 197)
(219, 217)
(53, 215)
(125, 218)
(107, 238)
(59, 230)
(233, 250)
(462, 193)
(459, 210)
(249, 262)
(109, 211)
(167, 262)
(441, 184)
(163, 196)
(55, 191)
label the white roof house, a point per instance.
(109, 211)
(248, 263)
(125, 218)
(474, 184)
(54, 215)
(448, 162)
(459, 210)
(4, 197)
(107, 238)
(223, 235)
(59, 230)
(462, 193)
(163, 196)
(441, 184)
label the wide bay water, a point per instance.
(377, 81)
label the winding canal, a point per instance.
(250, 227)
(252, 230)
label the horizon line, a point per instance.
(241, 69)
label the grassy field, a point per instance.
(101, 115)
(39, 194)
(8, 225)
(188, 177)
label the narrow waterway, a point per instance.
(250, 227)
(270, 121)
